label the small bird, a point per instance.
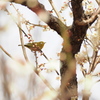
(35, 46)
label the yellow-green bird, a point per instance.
(35, 46)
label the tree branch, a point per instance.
(98, 1)
(90, 20)
(77, 9)
(53, 22)
(78, 31)
(21, 35)
(5, 52)
(57, 13)
(22, 43)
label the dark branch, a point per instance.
(78, 31)
(55, 24)
(77, 9)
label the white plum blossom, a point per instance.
(89, 7)
(81, 57)
(95, 38)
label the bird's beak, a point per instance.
(19, 45)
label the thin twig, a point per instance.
(5, 52)
(89, 43)
(22, 30)
(26, 21)
(46, 82)
(48, 60)
(18, 25)
(21, 35)
(92, 67)
(95, 52)
(43, 54)
(36, 59)
(87, 51)
(57, 13)
(39, 25)
(22, 43)
(96, 60)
